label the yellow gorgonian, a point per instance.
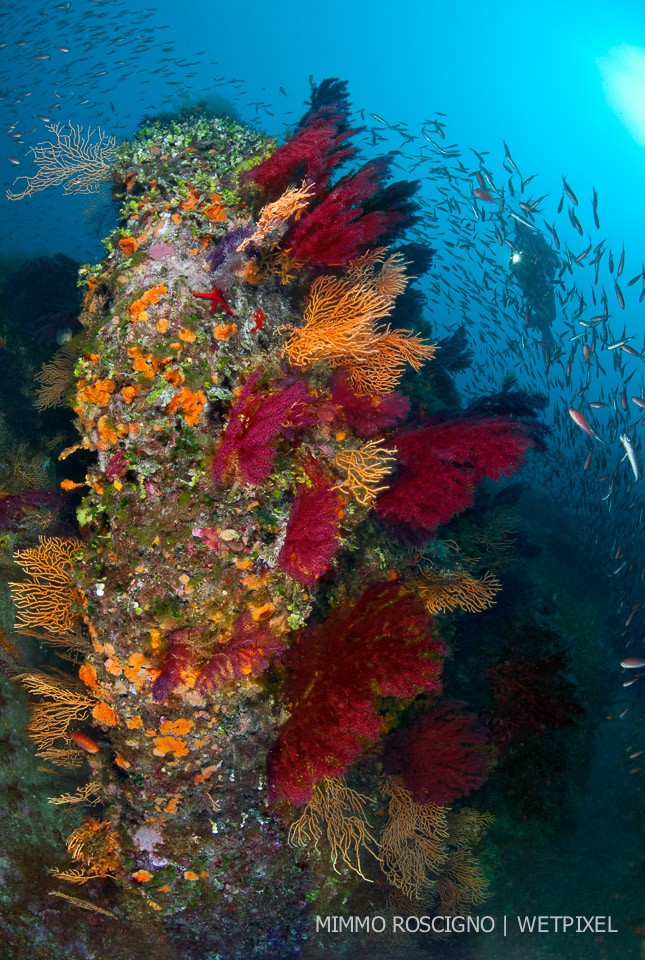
(446, 590)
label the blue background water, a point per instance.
(513, 71)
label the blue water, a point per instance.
(503, 71)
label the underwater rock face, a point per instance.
(178, 569)
(253, 628)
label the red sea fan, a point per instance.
(312, 535)
(116, 467)
(323, 743)
(31, 503)
(368, 414)
(360, 211)
(246, 449)
(532, 696)
(180, 657)
(487, 446)
(398, 200)
(440, 757)
(337, 672)
(351, 217)
(249, 652)
(314, 151)
(441, 464)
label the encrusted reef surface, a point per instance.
(176, 561)
(258, 600)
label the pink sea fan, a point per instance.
(247, 446)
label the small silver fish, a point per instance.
(630, 453)
(633, 663)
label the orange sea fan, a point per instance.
(450, 589)
(364, 469)
(50, 561)
(95, 846)
(274, 217)
(381, 372)
(340, 325)
(390, 281)
(46, 599)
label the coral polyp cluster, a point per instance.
(256, 614)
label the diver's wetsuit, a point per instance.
(533, 265)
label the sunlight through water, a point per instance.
(623, 74)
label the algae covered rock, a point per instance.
(178, 571)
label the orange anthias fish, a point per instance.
(581, 421)
(83, 741)
(483, 194)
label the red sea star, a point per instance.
(216, 298)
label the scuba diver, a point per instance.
(533, 264)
